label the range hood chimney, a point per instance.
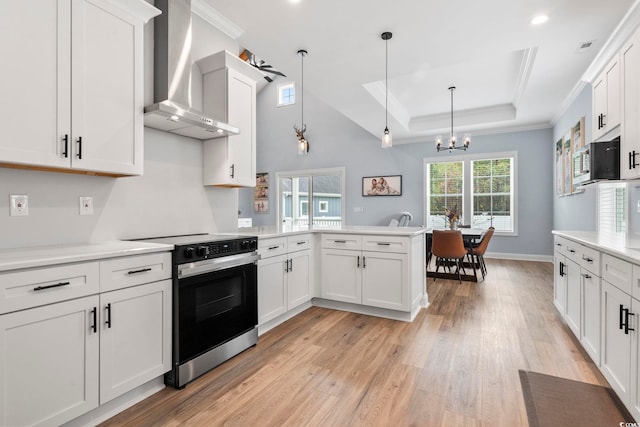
(171, 111)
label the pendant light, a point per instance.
(452, 137)
(387, 140)
(303, 144)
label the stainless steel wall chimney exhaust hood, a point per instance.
(171, 111)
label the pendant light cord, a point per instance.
(386, 84)
(451, 89)
(302, 87)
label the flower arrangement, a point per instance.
(452, 215)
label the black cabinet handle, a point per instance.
(57, 285)
(301, 243)
(572, 251)
(558, 244)
(79, 141)
(358, 264)
(587, 259)
(286, 265)
(339, 241)
(65, 153)
(561, 269)
(273, 247)
(233, 170)
(364, 261)
(108, 310)
(626, 324)
(586, 276)
(384, 244)
(94, 325)
(142, 270)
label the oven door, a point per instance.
(217, 301)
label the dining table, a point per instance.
(469, 237)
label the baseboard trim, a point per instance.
(519, 257)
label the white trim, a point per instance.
(519, 257)
(215, 18)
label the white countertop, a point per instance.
(39, 256)
(274, 231)
(618, 245)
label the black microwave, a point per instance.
(597, 161)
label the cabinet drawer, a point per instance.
(118, 273)
(590, 260)
(342, 241)
(39, 286)
(617, 272)
(299, 242)
(560, 243)
(573, 251)
(395, 244)
(272, 247)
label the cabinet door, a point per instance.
(242, 113)
(612, 75)
(616, 345)
(299, 279)
(341, 275)
(135, 337)
(272, 297)
(35, 79)
(599, 106)
(630, 130)
(572, 313)
(107, 104)
(590, 328)
(48, 363)
(560, 282)
(385, 281)
(634, 405)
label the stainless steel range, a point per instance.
(215, 301)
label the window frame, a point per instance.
(467, 184)
(281, 87)
(322, 203)
(311, 173)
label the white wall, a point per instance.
(168, 199)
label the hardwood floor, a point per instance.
(455, 365)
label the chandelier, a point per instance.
(452, 137)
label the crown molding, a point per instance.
(215, 18)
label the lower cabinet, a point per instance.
(342, 275)
(572, 313)
(49, 368)
(135, 337)
(284, 275)
(590, 307)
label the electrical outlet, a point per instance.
(19, 205)
(86, 205)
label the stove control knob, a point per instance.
(253, 244)
(189, 252)
(203, 250)
(244, 245)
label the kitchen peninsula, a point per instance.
(371, 270)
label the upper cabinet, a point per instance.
(229, 86)
(73, 85)
(606, 100)
(630, 134)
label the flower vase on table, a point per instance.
(452, 215)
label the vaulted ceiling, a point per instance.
(509, 74)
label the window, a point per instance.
(286, 94)
(481, 188)
(612, 208)
(323, 189)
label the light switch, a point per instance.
(19, 205)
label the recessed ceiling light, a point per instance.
(294, 1)
(540, 19)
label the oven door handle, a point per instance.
(216, 264)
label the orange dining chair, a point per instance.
(448, 248)
(478, 250)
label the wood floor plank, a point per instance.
(455, 365)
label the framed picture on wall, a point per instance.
(559, 166)
(382, 185)
(261, 193)
(566, 162)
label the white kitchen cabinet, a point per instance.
(630, 129)
(607, 99)
(77, 71)
(375, 278)
(574, 300)
(230, 96)
(49, 363)
(590, 309)
(135, 337)
(616, 344)
(284, 275)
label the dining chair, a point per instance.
(448, 248)
(477, 251)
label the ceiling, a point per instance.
(509, 74)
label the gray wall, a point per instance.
(336, 141)
(578, 211)
(168, 199)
